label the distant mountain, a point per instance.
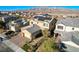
(49, 10)
(56, 10)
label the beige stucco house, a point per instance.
(44, 23)
(31, 32)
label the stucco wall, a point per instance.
(39, 23)
(27, 34)
(69, 29)
(60, 29)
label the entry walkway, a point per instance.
(71, 47)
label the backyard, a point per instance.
(48, 46)
(44, 44)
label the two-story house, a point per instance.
(8, 18)
(68, 28)
(44, 22)
(17, 24)
(31, 32)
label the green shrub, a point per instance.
(49, 45)
(26, 47)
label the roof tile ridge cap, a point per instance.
(26, 27)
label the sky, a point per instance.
(11, 8)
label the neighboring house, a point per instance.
(8, 18)
(67, 25)
(22, 22)
(15, 25)
(31, 32)
(44, 22)
(68, 29)
(73, 44)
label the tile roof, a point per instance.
(75, 37)
(42, 18)
(74, 22)
(33, 28)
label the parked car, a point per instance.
(2, 38)
(10, 33)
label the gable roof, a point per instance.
(42, 18)
(75, 37)
(73, 22)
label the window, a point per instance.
(60, 27)
(72, 28)
(45, 24)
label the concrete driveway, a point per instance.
(5, 48)
(13, 46)
(18, 39)
(71, 46)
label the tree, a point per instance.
(45, 33)
(48, 44)
(26, 47)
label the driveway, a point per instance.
(71, 46)
(18, 40)
(12, 46)
(4, 48)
